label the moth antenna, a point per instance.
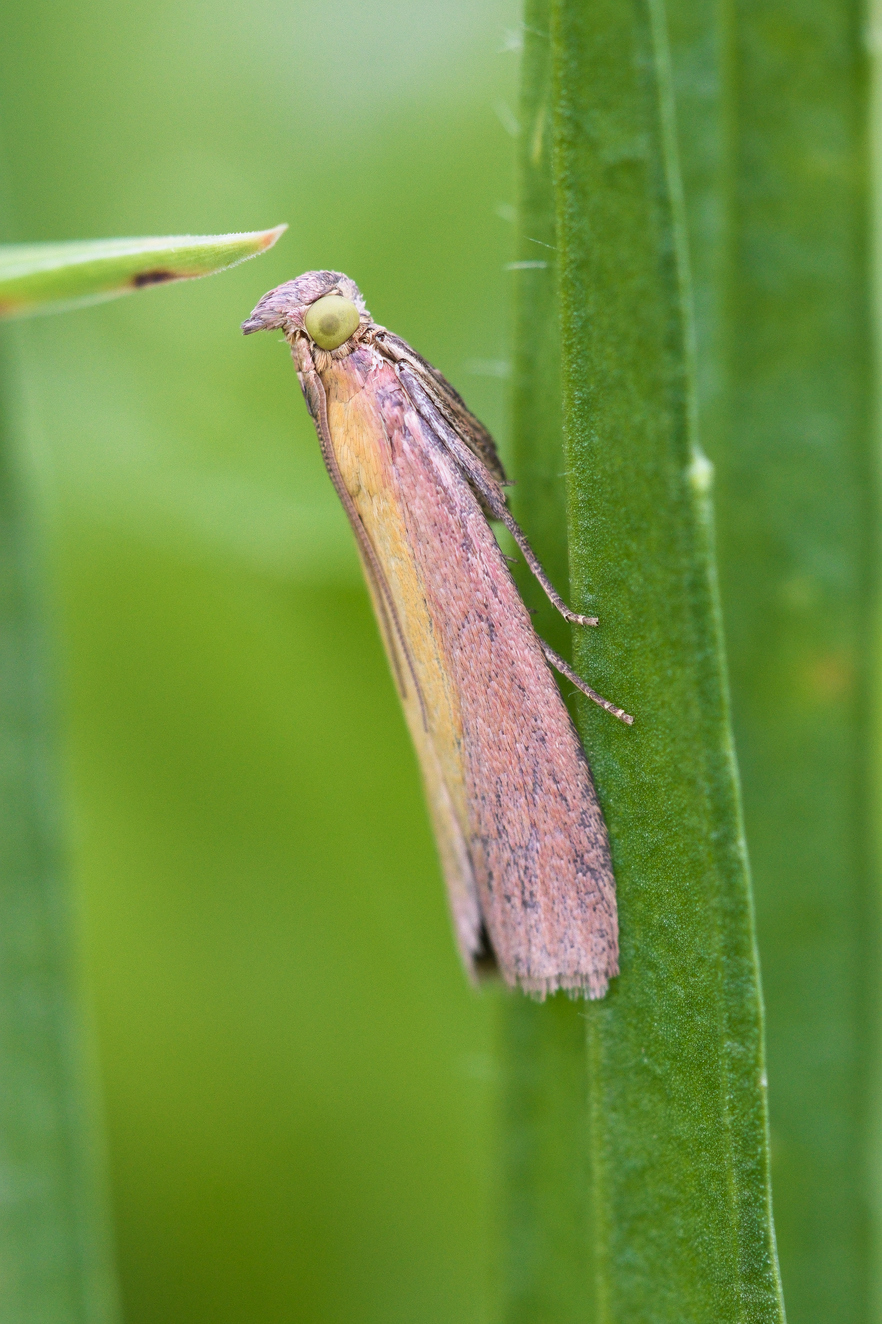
(567, 671)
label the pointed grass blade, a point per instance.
(37, 278)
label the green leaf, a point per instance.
(678, 1222)
(682, 1216)
(55, 1260)
(546, 1237)
(49, 277)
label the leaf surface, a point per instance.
(38, 278)
(677, 1221)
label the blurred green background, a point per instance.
(298, 1084)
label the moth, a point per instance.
(522, 841)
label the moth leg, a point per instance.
(539, 574)
(566, 670)
(485, 485)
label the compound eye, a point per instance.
(331, 320)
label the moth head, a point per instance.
(326, 305)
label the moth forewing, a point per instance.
(449, 402)
(520, 833)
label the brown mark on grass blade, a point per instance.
(520, 833)
(158, 277)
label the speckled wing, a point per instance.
(521, 837)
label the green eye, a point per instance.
(331, 320)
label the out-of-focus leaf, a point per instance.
(55, 1258)
(798, 500)
(38, 278)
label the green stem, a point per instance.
(682, 1218)
(678, 1225)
